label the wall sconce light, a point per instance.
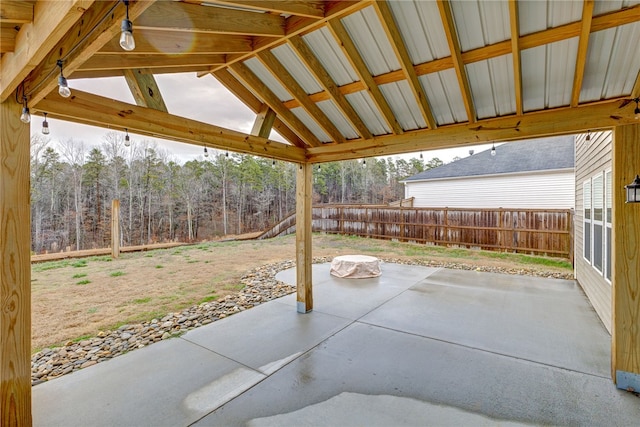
(127, 41)
(63, 86)
(633, 190)
(45, 125)
(25, 117)
(127, 140)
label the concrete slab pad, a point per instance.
(412, 380)
(170, 383)
(543, 320)
(267, 336)
(353, 298)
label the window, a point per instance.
(608, 206)
(597, 194)
(586, 203)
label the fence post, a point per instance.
(115, 228)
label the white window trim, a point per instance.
(587, 222)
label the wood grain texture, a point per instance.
(625, 347)
(304, 256)
(145, 90)
(15, 269)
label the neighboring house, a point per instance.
(530, 174)
(593, 220)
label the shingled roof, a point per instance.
(522, 156)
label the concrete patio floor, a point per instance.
(416, 346)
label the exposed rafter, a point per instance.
(100, 62)
(264, 122)
(514, 24)
(389, 24)
(360, 67)
(309, 9)
(95, 110)
(269, 60)
(178, 43)
(144, 89)
(583, 45)
(458, 64)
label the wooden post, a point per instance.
(115, 228)
(303, 237)
(625, 336)
(15, 268)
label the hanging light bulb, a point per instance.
(206, 153)
(127, 140)
(227, 154)
(637, 110)
(45, 125)
(25, 117)
(421, 157)
(588, 137)
(319, 168)
(63, 86)
(364, 162)
(273, 163)
(127, 41)
(493, 150)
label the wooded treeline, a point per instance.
(161, 200)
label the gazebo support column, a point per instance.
(15, 268)
(303, 237)
(625, 347)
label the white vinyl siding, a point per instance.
(535, 190)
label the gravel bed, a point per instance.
(260, 286)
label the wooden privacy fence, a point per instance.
(543, 232)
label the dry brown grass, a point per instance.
(79, 297)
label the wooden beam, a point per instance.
(141, 60)
(269, 60)
(96, 110)
(36, 39)
(583, 45)
(515, 53)
(16, 12)
(176, 43)
(7, 39)
(98, 25)
(625, 337)
(264, 122)
(304, 220)
(558, 121)
(15, 268)
(310, 9)
(145, 90)
(389, 24)
(94, 74)
(458, 64)
(254, 83)
(358, 64)
(331, 90)
(209, 19)
(243, 94)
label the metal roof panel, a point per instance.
(325, 47)
(291, 61)
(421, 28)
(366, 31)
(601, 7)
(538, 15)
(481, 23)
(368, 112)
(311, 124)
(404, 105)
(330, 109)
(492, 86)
(267, 78)
(445, 97)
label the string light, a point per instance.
(63, 86)
(127, 140)
(127, 42)
(206, 153)
(421, 156)
(319, 168)
(45, 125)
(25, 117)
(588, 137)
(493, 150)
(273, 163)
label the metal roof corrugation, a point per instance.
(492, 86)
(267, 78)
(421, 28)
(538, 15)
(366, 31)
(445, 97)
(368, 112)
(337, 118)
(481, 23)
(601, 7)
(611, 60)
(325, 47)
(404, 105)
(547, 74)
(297, 68)
(311, 124)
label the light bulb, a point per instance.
(25, 117)
(45, 125)
(493, 150)
(421, 156)
(273, 163)
(63, 87)
(127, 140)
(206, 153)
(127, 42)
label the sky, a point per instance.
(203, 99)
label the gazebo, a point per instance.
(337, 80)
